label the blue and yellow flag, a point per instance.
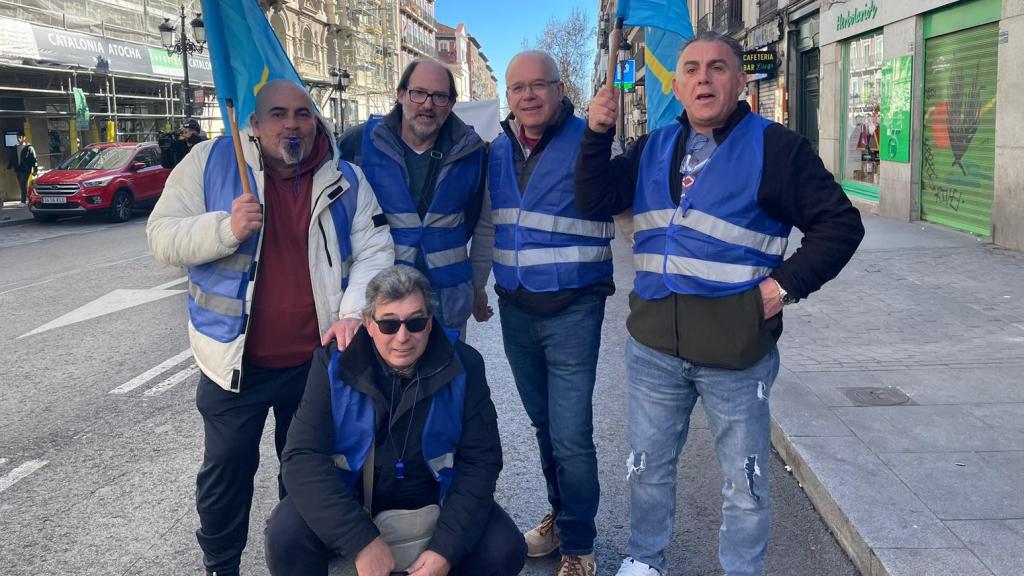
(245, 54)
(667, 28)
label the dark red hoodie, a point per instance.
(284, 331)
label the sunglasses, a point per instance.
(414, 325)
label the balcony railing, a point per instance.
(728, 16)
(704, 23)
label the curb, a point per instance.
(15, 221)
(849, 538)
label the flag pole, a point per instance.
(236, 139)
(613, 52)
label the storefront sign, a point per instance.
(760, 64)
(765, 34)
(22, 41)
(895, 107)
(842, 19)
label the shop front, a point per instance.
(804, 72)
(67, 89)
(762, 63)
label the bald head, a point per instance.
(285, 123)
(537, 57)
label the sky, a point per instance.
(501, 25)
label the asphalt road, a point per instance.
(100, 440)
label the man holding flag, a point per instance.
(715, 194)
(303, 223)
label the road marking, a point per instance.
(116, 301)
(172, 381)
(25, 286)
(167, 285)
(19, 473)
(151, 373)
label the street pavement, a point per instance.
(100, 439)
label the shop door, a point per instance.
(766, 90)
(958, 156)
(810, 71)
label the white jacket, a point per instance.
(182, 233)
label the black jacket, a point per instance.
(543, 303)
(335, 513)
(795, 188)
(24, 162)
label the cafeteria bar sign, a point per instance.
(760, 64)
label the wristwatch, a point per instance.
(786, 297)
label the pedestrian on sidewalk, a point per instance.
(428, 169)
(553, 270)
(401, 474)
(715, 196)
(313, 236)
(25, 164)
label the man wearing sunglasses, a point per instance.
(406, 412)
(427, 169)
(714, 196)
(553, 273)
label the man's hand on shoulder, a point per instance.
(375, 559)
(246, 216)
(343, 331)
(430, 563)
(603, 110)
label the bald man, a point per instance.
(253, 340)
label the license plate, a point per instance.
(54, 200)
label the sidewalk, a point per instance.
(900, 404)
(12, 214)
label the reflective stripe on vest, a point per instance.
(541, 241)
(441, 234)
(354, 423)
(717, 241)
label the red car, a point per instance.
(111, 178)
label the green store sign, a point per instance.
(856, 16)
(896, 96)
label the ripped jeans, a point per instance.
(663, 390)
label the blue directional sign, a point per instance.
(625, 75)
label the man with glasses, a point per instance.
(714, 196)
(427, 168)
(553, 270)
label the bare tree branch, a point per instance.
(571, 43)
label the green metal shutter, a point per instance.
(958, 156)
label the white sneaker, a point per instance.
(22, 204)
(632, 567)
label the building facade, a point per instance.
(418, 27)
(483, 84)
(453, 51)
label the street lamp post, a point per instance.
(342, 82)
(183, 45)
(624, 50)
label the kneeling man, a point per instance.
(406, 412)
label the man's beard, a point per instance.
(424, 133)
(292, 156)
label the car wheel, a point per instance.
(121, 207)
(44, 217)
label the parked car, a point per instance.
(112, 178)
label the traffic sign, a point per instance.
(625, 75)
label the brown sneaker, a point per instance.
(543, 539)
(577, 566)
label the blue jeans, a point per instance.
(662, 392)
(554, 363)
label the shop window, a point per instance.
(863, 78)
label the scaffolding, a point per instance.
(368, 49)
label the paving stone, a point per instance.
(999, 544)
(959, 386)
(945, 428)
(950, 562)
(884, 511)
(964, 485)
(800, 413)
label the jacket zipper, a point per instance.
(330, 263)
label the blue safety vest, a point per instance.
(441, 235)
(717, 241)
(218, 290)
(541, 241)
(355, 422)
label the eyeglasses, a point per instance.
(438, 98)
(414, 325)
(537, 87)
